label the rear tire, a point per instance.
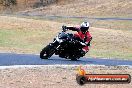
(47, 52)
(74, 58)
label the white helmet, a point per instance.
(84, 27)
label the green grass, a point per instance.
(27, 40)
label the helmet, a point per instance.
(84, 27)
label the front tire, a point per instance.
(47, 52)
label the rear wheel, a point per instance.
(74, 58)
(47, 52)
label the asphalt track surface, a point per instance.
(36, 14)
(24, 14)
(10, 59)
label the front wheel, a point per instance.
(47, 52)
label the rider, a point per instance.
(83, 34)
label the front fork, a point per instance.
(55, 44)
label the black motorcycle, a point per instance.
(65, 45)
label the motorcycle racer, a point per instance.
(83, 34)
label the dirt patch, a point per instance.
(57, 76)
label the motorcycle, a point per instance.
(65, 45)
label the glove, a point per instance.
(64, 28)
(89, 44)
